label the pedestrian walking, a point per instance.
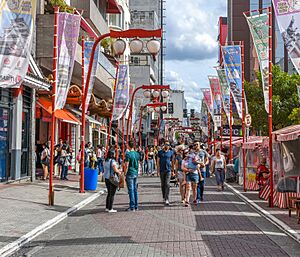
(65, 162)
(100, 155)
(146, 161)
(165, 168)
(131, 169)
(141, 161)
(151, 161)
(203, 160)
(189, 167)
(180, 174)
(45, 160)
(110, 167)
(219, 168)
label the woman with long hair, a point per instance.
(110, 167)
(180, 174)
(45, 160)
(151, 161)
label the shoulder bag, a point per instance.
(113, 177)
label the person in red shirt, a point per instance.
(262, 173)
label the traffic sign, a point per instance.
(248, 120)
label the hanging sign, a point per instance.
(68, 32)
(259, 28)
(233, 67)
(17, 22)
(121, 93)
(88, 45)
(288, 19)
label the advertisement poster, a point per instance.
(233, 68)
(122, 93)
(259, 28)
(17, 20)
(288, 19)
(207, 97)
(216, 94)
(88, 45)
(68, 32)
(225, 91)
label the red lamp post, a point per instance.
(145, 87)
(131, 33)
(153, 105)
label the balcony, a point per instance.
(44, 54)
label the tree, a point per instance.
(285, 101)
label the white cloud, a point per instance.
(191, 28)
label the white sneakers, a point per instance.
(112, 211)
(167, 202)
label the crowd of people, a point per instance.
(187, 164)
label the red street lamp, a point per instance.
(146, 88)
(150, 105)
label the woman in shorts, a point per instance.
(180, 174)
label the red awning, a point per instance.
(287, 133)
(63, 114)
(253, 142)
(113, 7)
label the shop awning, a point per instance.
(89, 118)
(253, 142)
(63, 114)
(287, 134)
(113, 7)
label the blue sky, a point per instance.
(191, 42)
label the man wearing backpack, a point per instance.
(131, 172)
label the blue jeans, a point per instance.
(145, 166)
(64, 172)
(207, 167)
(100, 165)
(132, 191)
(192, 178)
(220, 176)
(200, 188)
(150, 166)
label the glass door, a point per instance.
(4, 143)
(25, 143)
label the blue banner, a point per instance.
(121, 93)
(233, 68)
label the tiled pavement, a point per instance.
(222, 225)
(24, 206)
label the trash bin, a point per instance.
(90, 179)
(230, 174)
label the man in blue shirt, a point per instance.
(131, 171)
(165, 168)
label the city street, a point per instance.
(223, 225)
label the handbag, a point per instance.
(113, 178)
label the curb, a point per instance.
(275, 221)
(9, 249)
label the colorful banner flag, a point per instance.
(233, 68)
(68, 32)
(122, 93)
(225, 91)
(17, 22)
(207, 97)
(259, 28)
(288, 19)
(216, 94)
(88, 45)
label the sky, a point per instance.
(191, 45)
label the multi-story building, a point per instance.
(179, 103)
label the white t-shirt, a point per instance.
(219, 162)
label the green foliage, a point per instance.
(285, 101)
(63, 7)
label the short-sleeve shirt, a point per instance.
(132, 157)
(219, 162)
(107, 167)
(165, 160)
(202, 154)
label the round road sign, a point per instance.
(248, 120)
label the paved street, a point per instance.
(222, 225)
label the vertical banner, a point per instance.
(88, 45)
(204, 117)
(122, 93)
(233, 68)
(68, 32)
(288, 19)
(207, 97)
(225, 91)
(259, 28)
(17, 22)
(216, 95)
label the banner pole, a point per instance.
(117, 141)
(271, 202)
(112, 111)
(123, 141)
(140, 125)
(53, 119)
(230, 129)
(208, 129)
(83, 107)
(243, 112)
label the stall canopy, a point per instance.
(236, 141)
(253, 142)
(113, 7)
(287, 134)
(62, 115)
